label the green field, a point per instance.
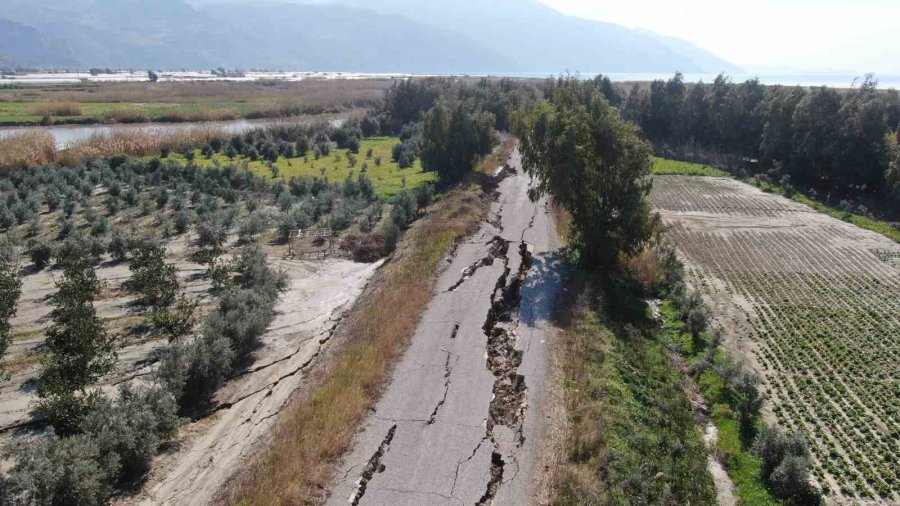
(184, 101)
(389, 178)
(21, 112)
(662, 166)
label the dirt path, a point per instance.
(213, 448)
(462, 421)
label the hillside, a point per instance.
(335, 35)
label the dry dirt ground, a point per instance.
(209, 450)
(114, 306)
(215, 447)
(813, 305)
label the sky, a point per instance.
(855, 36)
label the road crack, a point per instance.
(373, 466)
(497, 249)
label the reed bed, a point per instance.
(144, 142)
(27, 149)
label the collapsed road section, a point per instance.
(462, 420)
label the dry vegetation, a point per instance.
(56, 109)
(185, 101)
(28, 149)
(319, 427)
(35, 148)
(812, 302)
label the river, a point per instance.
(66, 135)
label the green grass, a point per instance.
(632, 436)
(662, 166)
(742, 465)
(20, 112)
(389, 179)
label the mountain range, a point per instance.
(407, 36)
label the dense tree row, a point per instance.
(407, 101)
(836, 142)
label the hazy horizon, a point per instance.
(768, 36)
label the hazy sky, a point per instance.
(840, 35)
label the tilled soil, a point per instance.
(812, 304)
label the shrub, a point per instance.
(211, 232)
(58, 471)
(10, 289)
(151, 276)
(118, 246)
(791, 477)
(252, 226)
(40, 254)
(193, 371)
(365, 248)
(785, 461)
(128, 432)
(182, 221)
(79, 350)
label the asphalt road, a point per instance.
(462, 420)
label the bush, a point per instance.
(40, 254)
(182, 221)
(791, 477)
(118, 246)
(211, 232)
(58, 471)
(251, 227)
(128, 432)
(785, 461)
(365, 248)
(192, 372)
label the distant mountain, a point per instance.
(342, 38)
(541, 39)
(434, 36)
(23, 45)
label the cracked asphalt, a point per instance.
(462, 420)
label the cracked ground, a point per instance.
(218, 444)
(462, 420)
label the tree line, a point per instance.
(837, 143)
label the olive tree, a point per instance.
(79, 350)
(10, 289)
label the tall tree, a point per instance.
(776, 136)
(594, 165)
(79, 350)
(452, 140)
(815, 134)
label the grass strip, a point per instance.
(632, 437)
(742, 466)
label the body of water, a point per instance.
(66, 135)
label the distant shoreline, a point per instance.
(830, 79)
